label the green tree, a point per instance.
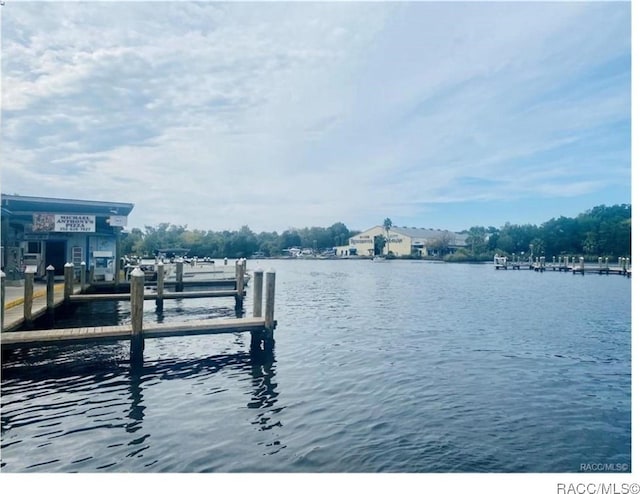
(387, 224)
(476, 239)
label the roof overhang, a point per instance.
(14, 204)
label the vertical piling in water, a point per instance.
(68, 281)
(225, 261)
(51, 286)
(269, 307)
(28, 298)
(92, 274)
(582, 264)
(160, 286)
(179, 271)
(137, 308)
(83, 277)
(258, 276)
(239, 284)
(606, 264)
(2, 295)
(256, 336)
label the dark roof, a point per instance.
(29, 204)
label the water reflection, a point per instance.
(265, 399)
(75, 391)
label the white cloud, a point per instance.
(278, 114)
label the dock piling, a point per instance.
(50, 292)
(269, 309)
(137, 309)
(83, 277)
(2, 295)
(68, 281)
(160, 286)
(179, 271)
(239, 285)
(256, 336)
(28, 298)
(258, 276)
(270, 298)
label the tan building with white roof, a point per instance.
(403, 241)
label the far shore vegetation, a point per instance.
(600, 231)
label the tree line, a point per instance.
(600, 231)
(232, 244)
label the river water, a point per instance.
(400, 366)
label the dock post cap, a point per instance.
(160, 263)
(271, 270)
(2, 275)
(83, 263)
(137, 272)
(68, 265)
(258, 270)
(50, 268)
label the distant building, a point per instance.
(39, 231)
(403, 241)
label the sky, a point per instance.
(279, 115)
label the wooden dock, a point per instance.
(261, 327)
(110, 334)
(564, 264)
(14, 315)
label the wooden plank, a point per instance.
(93, 297)
(18, 339)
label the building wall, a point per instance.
(401, 243)
(398, 244)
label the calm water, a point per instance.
(378, 367)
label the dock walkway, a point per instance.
(109, 334)
(14, 303)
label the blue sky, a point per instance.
(278, 115)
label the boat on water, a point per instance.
(193, 271)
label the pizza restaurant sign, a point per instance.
(64, 223)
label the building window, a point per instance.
(34, 248)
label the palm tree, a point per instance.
(387, 224)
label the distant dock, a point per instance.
(565, 264)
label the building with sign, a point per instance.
(403, 241)
(39, 231)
